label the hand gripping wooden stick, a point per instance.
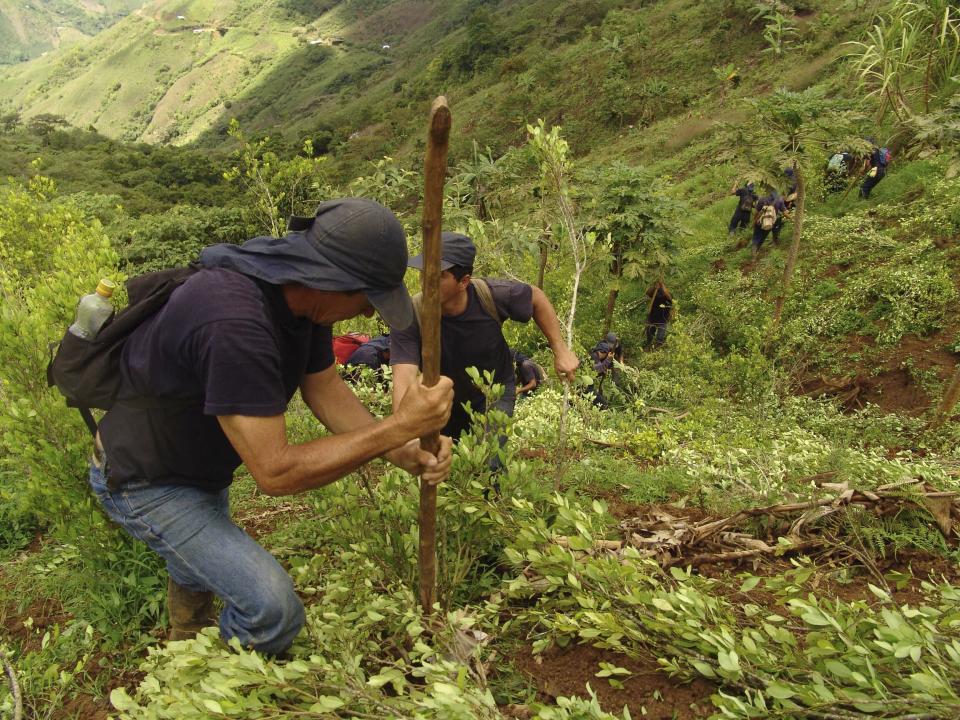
(434, 170)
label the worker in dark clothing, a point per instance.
(471, 333)
(790, 192)
(374, 354)
(660, 313)
(876, 169)
(768, 217)
(746, 198)
(529, 375)
(238, 339)
(616, 346)
(839, 168)
(601, 359)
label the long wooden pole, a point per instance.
(434, 170)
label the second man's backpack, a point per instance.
(768, 217)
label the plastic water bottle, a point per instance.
(93, 310)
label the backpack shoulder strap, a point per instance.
(484, 295)
(417, 307)
(486, 298)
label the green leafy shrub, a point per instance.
(50, 255)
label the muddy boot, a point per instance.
(189, 611)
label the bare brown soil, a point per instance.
(648, 692)
(894, 388)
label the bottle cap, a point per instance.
(106, 287)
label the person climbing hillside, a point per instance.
(659, 313)
(746, 198)
(875, 168)
(790, 189)
(205, 384)
(529, 374)
(602, 362)
(767, 218)
(838, 171)
(616, 346)
(472, 311)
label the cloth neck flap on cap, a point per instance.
(290, 259)
(351, 245)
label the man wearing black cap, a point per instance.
(205, 385)
(471, 334)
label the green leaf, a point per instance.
(703, 668)
(750, 584)
(213, 706)
(729, 661)
(327, 703)
(779, 691)
(121, 701)
(838, 669)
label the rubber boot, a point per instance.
(189, 611)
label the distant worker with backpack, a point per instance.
(471, 335)
(839, 168)
(768, 218)
(204, 384)
(746, 198)
(530, 375)
(876, 169)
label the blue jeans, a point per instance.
(191, 529)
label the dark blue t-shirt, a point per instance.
(746, 198)
(372, 353)
(230, 344)
(471, 339)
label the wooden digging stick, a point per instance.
(434, 171)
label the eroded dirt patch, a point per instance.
(897, 385)
(648, 692)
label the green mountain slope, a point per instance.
(173, 70)
(32, 29)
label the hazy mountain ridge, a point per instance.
(33, 28)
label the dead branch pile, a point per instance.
(678, 541)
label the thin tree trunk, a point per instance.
(544, 253)
(794, 247)
(949, 400)
(616, 270)
(611, 304)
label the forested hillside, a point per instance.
(753, 515)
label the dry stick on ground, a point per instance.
(434, 170)
(667, 537)
(14, 687)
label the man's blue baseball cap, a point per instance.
(456, 249)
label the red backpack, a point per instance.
(344, 345)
